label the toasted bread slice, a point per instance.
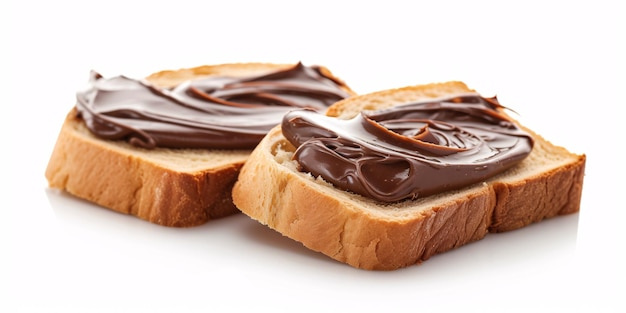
(166, 186)
(370, 234)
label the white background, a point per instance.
(559, 64)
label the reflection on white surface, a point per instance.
(555, 237)
(94, 251)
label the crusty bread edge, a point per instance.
(554, 192)
(98, 171)
(171, 78)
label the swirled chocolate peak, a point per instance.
(211, 112)
(408, 151)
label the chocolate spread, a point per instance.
(212, 112)
(408, 151)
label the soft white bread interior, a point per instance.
(368, 234)
(171, 187)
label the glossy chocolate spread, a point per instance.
(212, 112)
(408, 151)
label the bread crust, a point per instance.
(132, 183)
(160, 185)
(557, 191)
(375, 236)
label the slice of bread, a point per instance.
(374, 235)
(166, 186)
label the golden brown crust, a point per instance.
(388, 98)
(370, 235)
(170, 187)
(556, 191)
(171, 78)
(131, 183)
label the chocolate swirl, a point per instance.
(212, 112)
(408, 151)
